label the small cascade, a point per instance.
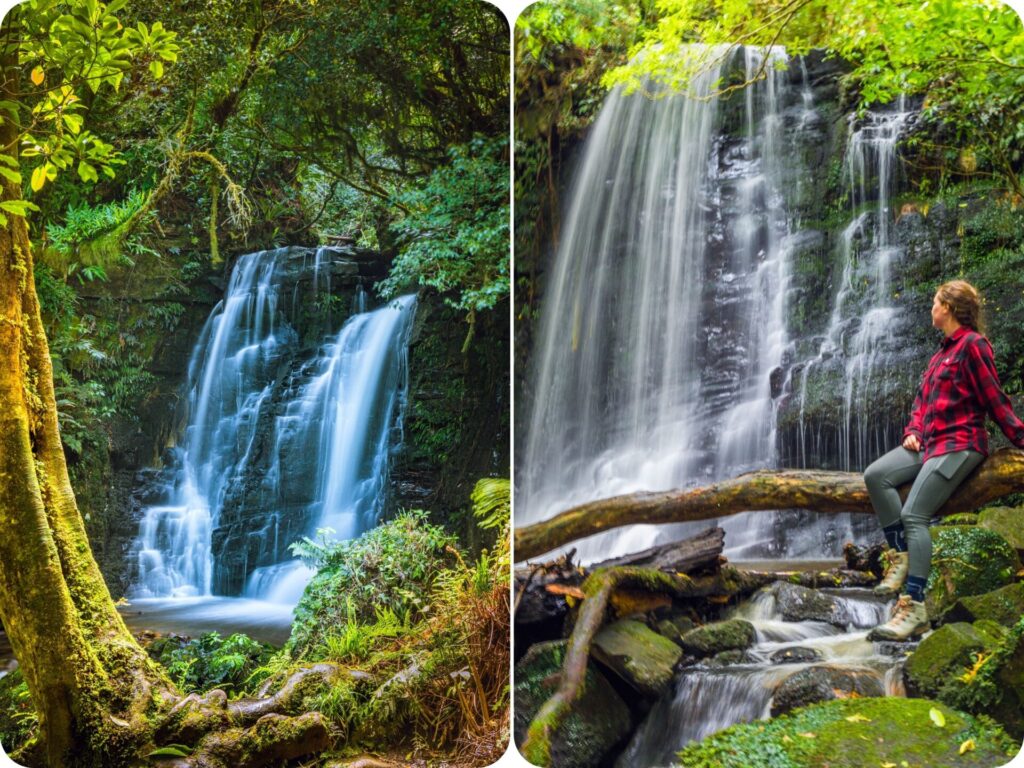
(864, 325)
(337, 407)
(707, 698)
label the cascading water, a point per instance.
(863, 328)
(666, 313)
(708, 698)
(341, 412)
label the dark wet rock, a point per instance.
(797, 603)
(795, 656)
(896, 649)
(816, 684)
(599, 719)
(638, 655)
(734, 634)
(727, 658)
(1004, 606)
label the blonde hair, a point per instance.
(964, 302)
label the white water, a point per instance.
(666, 313)
(707, 699)
(345, 416)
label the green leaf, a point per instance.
(72, 121)
(39, 177)
(937, 717)
(156, 67)
(18, 207)
(10, 175)
(86, 172)
(172, 750)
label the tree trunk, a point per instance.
(828, 492)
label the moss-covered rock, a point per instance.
(640, 656)
(1008, 522)
(674, 627)
(797, 603)
(1004, 606)
(816, 684)
(856, 733)
(599, 719)
(944, 654)
(719, 636)
(960, 518)
(966, 561)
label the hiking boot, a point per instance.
(895, 574)
(909, 619)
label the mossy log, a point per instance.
(827, 492)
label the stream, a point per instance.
(708, 696)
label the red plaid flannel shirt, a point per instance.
(959, 386)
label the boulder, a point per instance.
(1004, 606)
(966, 561)
(795, 656)
(674, 627)
(944, 654)
(1008, 522)
(733, 634)
(599, 720)
(797, 603)
(727, 658)
(641, 657)
(816, 684)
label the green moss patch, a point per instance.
(734, 634)
(1004, 606)
(641, 657)
(856, 733)
(1008, 522)
(944, 654)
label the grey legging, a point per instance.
(934, 482)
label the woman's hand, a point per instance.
(911, 443)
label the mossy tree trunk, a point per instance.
(91, 683)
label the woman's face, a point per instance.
(940, 313)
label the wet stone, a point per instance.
(797, 603)
(809, 686)
(727, 658)
(795, 656)
(720, 636)
(641, 657)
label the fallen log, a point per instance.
(827, 492)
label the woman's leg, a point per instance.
(939, 477)
(882, 478)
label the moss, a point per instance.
(855, 733)
(960, 518)
(597, 721)
(641, 657)
(944, 654)
(734, 634)
(1004, 606)
(967, 560)
(1006, 521)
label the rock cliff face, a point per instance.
(865, 250)
(456, 423)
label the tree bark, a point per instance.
(827, 492)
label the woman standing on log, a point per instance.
(943, 443)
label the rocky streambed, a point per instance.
(698, 682)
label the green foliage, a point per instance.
(18, 718)
(455, 236)
(964, 57)
(91, 237)
(390, 567)
(492, 502)
(211, 661)
(853, 733)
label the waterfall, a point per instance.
(864, 323)
(338, 410)
(665, 319)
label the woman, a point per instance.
(943, 443)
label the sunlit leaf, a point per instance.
(937, 717)
(38, 75)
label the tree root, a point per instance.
(829, 492)
(249, 733)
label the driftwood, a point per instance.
(828, 492)
(541, 589)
